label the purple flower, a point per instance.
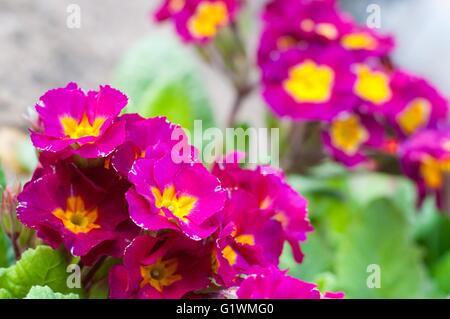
(85, 210)
(169, 266)
(309, 84)
(268, 196)
(425, 158)
(272, 283)
(249, 237)
(364, 42)
(300, 24)
(167, 195)
(349, 134)
(415, 105)
(82, 122)
(150, 138)
(198, 21)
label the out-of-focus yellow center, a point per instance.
(265, 203)
(359, 41)
(78, 129)
(432, 171)
(309, 82)
(76, 217)
(415, 115)
(307, 25)
(180, 206)
(372, 86)
(209, 17)
(176, 6)
(160, 274)
(347, 134)
(285, 42)
(327, 30)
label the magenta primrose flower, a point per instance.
(132, 188)
(269, 196)
(250, 236)
(83, 209)
(82, 122)
(415, 105)
(316, 23)
(348, 134)
(169, 266)
(425, 158)
(272, 283)
(198, 21)
(150, 138)
(167, 195)
(364, 42)
(299, 24)
(309, 84)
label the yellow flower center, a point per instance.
(347, 134)
(215, 264)
(359, 41)
(76, 217)
(180, 206)
(327, 30)
(414, 116)
(245, 239)
(372, 86)
(432, 170)
(208, 18)
(78, 129)
(309, 82)
(160, 274)
(230, 255)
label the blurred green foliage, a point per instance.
(161, 77)
(6, 253)
(364, 219)
(2, 180)
(42, 266)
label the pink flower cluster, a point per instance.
(317, 64)
(198, 21)
(133, 188)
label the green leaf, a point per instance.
(441, 273)
(432, 232)
(2, 180)
(4, 294)
(161, 77)
(45, 292)
(42, 266)
(317, 259)
(380, 236)
(6, 251)
(369, 187)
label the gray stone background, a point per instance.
(39, 52)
